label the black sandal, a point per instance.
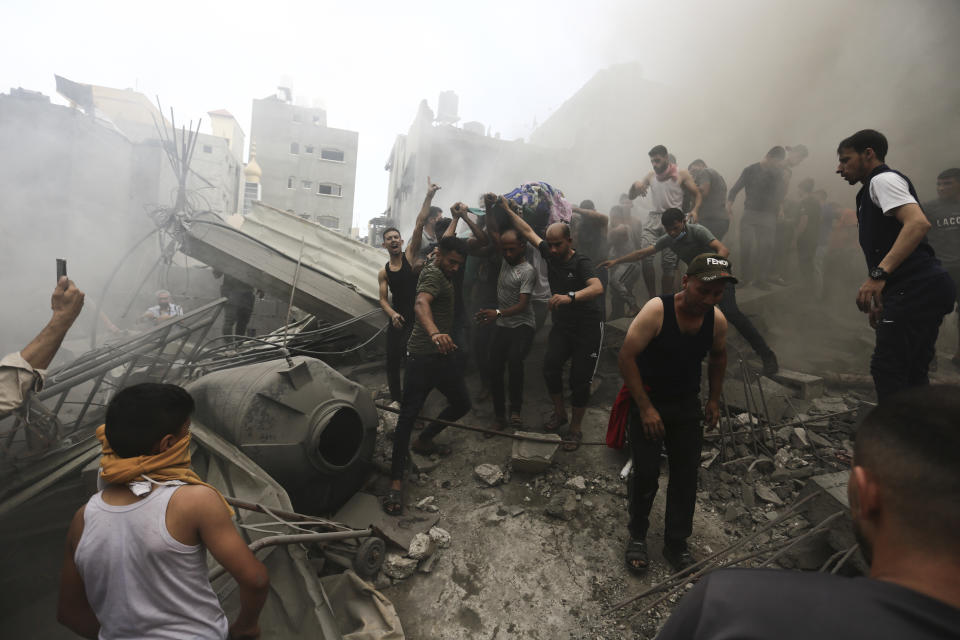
(572, 440)
(430, 448)
(392, 502)
(636, 557)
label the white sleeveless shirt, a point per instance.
(140, 581)
(665, 195)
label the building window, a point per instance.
(294, 148)
(308, 149)
(316, 119)
(251, 192)
(329, 189)
(207, 148)
(306, 184)
(330, 222)
(332, 154)
(290, 182)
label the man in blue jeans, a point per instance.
(432, 363)
(907, 291)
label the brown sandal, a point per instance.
(572, 440)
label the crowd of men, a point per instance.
(135, 559)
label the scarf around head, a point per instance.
(672, 173)
(172, 464)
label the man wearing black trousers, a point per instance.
(907, 291)
(661, 362)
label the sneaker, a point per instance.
(770, 364)
(678, 557)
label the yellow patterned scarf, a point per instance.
(172, 464)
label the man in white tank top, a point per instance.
(666, 184)
(135, 564)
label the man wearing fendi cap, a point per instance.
(661, 362)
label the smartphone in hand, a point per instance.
(61, 268)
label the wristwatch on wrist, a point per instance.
(499, 313)
(878, 273)
(573, 296)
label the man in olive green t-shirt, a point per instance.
(432, 363)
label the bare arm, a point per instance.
(220, 537)
(735, 189)
(593, 290)
(644, 328)
(686, 182)
(413, 246)
(66, 302)
(716, 366)
(593, 215)
(639, 188)
(633, 256)
(521, 225)
(395, 318)
(719, 248)
(73, 608)
(424, 314)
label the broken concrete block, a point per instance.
(515, 510)
(421, 546)
(577, 483)
(767, 494)
(746, 491)
(805, 386)
(830, 404)
(800, 438)
(440, 536)
(534, 456)
(733, 512)
(563, 505)
(398, 567)
(775, 394)
(428, 563)
(818, 439)
(490, 474)
(763, 464)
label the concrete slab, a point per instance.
(804, 385)
(534, 457)
(363, 510)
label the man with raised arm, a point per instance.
(399, 278)
(576, 332)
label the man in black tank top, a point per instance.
(660, 362)
(399, 278)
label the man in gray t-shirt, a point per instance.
(515, 328)
(688, 241)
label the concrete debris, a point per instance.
(423, 464)
(388, 421)
(490, 474)
(708, 457)
(768, 495)
(746, 491)
(734, 512)
(805, 386)
(515, 510)
(421, 547)
(818, 439)
(440, 536)
(398, 567)
(428, 563)
(427, 504)
(534, 457)
(563, 505)
(801, 437)
(781, 474)
(763, 464)
(577, 483)
(829, 404)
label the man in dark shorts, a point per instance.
(903, 501)
(399, 278)
(944, 216)
(907, 291)
(431, 364)
(576, 333)
(660, 361)
(690, 240)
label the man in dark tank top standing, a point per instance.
(661, 362)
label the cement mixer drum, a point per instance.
(309, 427)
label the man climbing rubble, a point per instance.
(688, 241)
(907, 291)
(432, 363)
(903, 503)
(576, 334)
(660, 361)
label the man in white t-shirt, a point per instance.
(907, 292)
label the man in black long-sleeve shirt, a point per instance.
(765, 189)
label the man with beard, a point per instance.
(515, 326)
(944, 216)
(667, 184)
(903, 492)
(907, 291)
(399, 278)
(577, 330)
(431, 364)
(660, 361)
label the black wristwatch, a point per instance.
(878, 273)
(573, 296)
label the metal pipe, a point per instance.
(844, 559)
